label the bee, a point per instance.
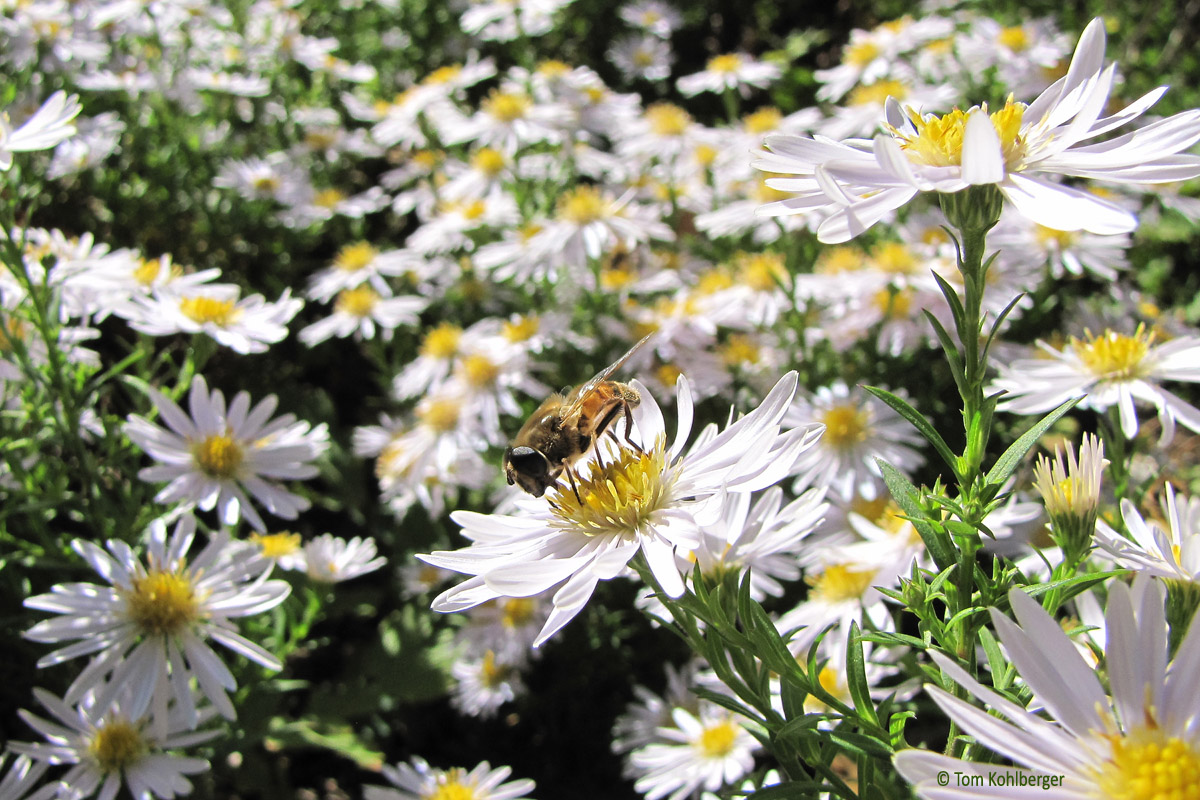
(564, 427)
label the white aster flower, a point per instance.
(859, 428)
(638, 501)
(1014, 149)
(329, 559)
(1102, 742)
(730, 71)
(247, 325)
(213, 457)
(642, 55)
(48, 126)
(706, 750)
(109, 746)
(150, 631)
(484, 683)
(416, 780)
(361, 311)
(1165, 549)
(652, 16)
(1111, 369)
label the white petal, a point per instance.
(982, 156)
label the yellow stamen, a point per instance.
(356, 256)
(440, 414)
(718, 740)
(667, 120)
(451, 786)
(1147, 764)
(479, 371)
(876, 94)
(218, 456)
(506, 106)
(1114, 356)
(840, 582)
(938, 141)
(358, 302)
(277, 545)
(442, 341)
(764, 120)
(162, 603)
(725, 64)
(846, 426)
(116, 745)
(582, 205)
(488, 161)
(617, 499)
(210, 310)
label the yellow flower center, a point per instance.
(488, 161)
(762, 193)
(831, 682)
(838, 259)
(895, 258)
(841, 582)
(516, 611)
(643, 57)
(763, 272)
(553, 68)
(667, 120)
(725, 64)
(938, 141)
(451, 786)
(277, 545)
(667, 374)
(763, 121)
(440, 414)
(162, 603)
(717, 741)
(356, 256)
(506, 106)
(582, 205)
(705, 155)
(442, 75)
(894, 303)
(116, 745)
(617, 499)
(860, 54)
(740, 349)
(1049, 237)
(147, 271)
(210, 310)
(522, 329)
(1014, 38)
(712, 281)
(426, 159)
(845, 426)
(1147, 764)
(329, 198)
(873, 510)
(218, 456)
(442, 341)
(1114, 356)
(357, 302)
(876, 94)
(479, 371)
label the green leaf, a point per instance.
(901, 407)
(938, 545)
(1007, 464)
(952, 355)
(856, 677)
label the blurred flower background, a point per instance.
(284, 279)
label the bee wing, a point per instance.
(576, 398)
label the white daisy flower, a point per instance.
(361, 311)
(707, 750)
(357, 263)
(859, 428)
(653, 16)
(1014, 149)
(1168, 549)
(108, 747)
(1111, 369)
(484, 683)
(247, 325)
(638, 501)
(505, 627)
(1022, 242)
(150, 631)
(642, 55)
(329, 559)
(213, 457)
(48, 126)
(1102, 742)
(509, 119)
(730, 71)
(416, 780)
(589, 222)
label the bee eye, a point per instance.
(528, 461)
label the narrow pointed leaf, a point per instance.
(1008, 462)
(902, 407)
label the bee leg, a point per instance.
(574, 487)
(629, 428)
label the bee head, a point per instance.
(529, 469)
